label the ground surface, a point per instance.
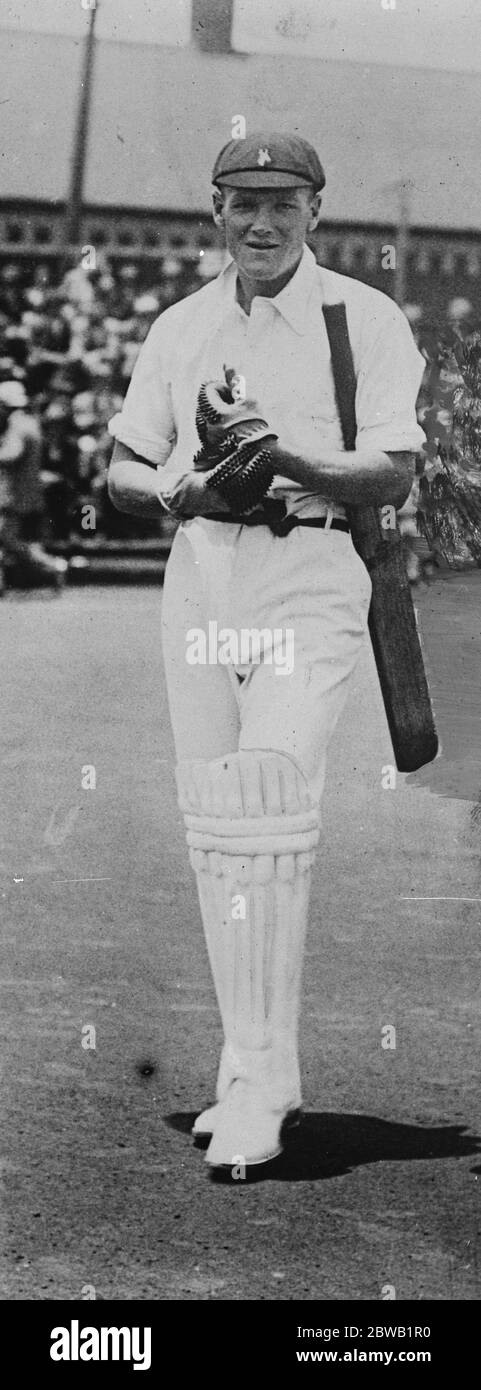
(100, 927)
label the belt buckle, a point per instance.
(282, 527)
(276, 515)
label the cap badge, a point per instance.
(264, 157)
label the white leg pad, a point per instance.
(252, 829)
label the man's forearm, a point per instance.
(348, 477)
(133, 488)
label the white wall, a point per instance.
(159, 115)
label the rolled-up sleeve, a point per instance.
(390, 372)
(146, 422)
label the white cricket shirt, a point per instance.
(282, 350)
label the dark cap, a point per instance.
(265, 160)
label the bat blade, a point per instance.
(396, 642)
(392, 620)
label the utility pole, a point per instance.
(402, 243)
(403, 188)
(74, 204)
(211, 25)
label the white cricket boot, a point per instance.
(229, 1066)
(229, 1072)
(252, 828)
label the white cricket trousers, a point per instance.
(310, 590)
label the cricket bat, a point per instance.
(392, 619)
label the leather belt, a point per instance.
(273, 514)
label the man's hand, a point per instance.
(235, 441)
(190, 497)
(137, 488)
(226, 421)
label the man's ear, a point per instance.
(315, 210)
(218, 207)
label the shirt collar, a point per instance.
(292, 301)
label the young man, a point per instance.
(251, 738)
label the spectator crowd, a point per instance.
(72, 346)
(68, 344)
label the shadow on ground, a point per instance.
(328, 1146)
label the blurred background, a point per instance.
(111, 116)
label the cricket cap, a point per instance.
(265, 160)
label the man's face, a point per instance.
(266, 228)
